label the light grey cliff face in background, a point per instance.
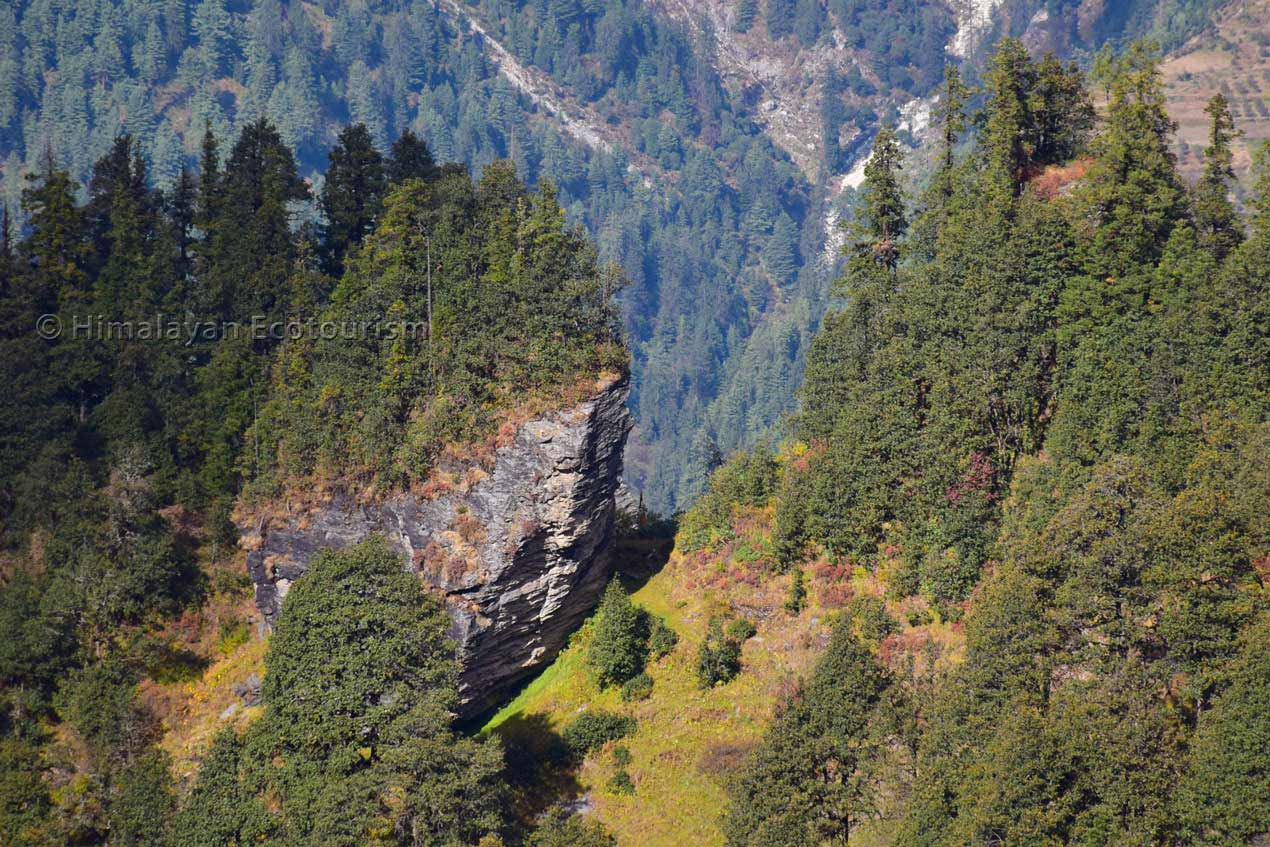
(520, 553)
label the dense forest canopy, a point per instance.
(689, 197)
(182, 361)
(253, 250)
(672, 171)
(1043, 411)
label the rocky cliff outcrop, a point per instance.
(519, 547)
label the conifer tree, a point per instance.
(351, 195)
(409, 159)
(1261, 188)
(1133, 185)
(219, 805)
(1062, 113)
(882, 219)
(1215, 218)
(797, 593)
(779, 17)
(619, 647)
(781, 252)
(807, 782)
(360, 684)
(952, 121)
(7, 267)
(123, 219)
(1006, 141)
(744, 14)
(57, 250)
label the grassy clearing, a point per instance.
(222, 636)
(688, 740)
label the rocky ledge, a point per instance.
(518, 549)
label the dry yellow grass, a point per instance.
(202, 705)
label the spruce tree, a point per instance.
(58, 250)
(351, 195)
(1215, 217)
(780, 254)
(1062, 115)
(1133, 187)
(360, 686)
(808, 783)
(952, 121)
(409, 159)
(882, 219)
(619, 646)
(1006, 140)
(797, 598)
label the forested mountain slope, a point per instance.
(1042, 416)
(1003, 580)
(704, 144)
(1006, 582)
(197, 356)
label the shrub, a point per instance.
(621, 783)
(740, 629)
(232, 634)
(662, 639)
(870, 621)
(747, 479)
(637, 688)
(593, 729)
(797, 593)
(719, 659)
(558, 828)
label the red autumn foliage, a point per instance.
(1057, 180)
(980, 476)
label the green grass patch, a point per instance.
(685, 744)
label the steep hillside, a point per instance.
(706, 144)
(689, 741)
(1008, 581)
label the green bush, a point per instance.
(593, 729)
(662, 639)
(637, 688)
(719, 658)
(621, 783)
(797, 593)
(232, 635)
(559, 828)
(740, 629)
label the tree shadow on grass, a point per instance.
(540, 769)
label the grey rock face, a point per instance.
(520, 552)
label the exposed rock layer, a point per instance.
(520, 552)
